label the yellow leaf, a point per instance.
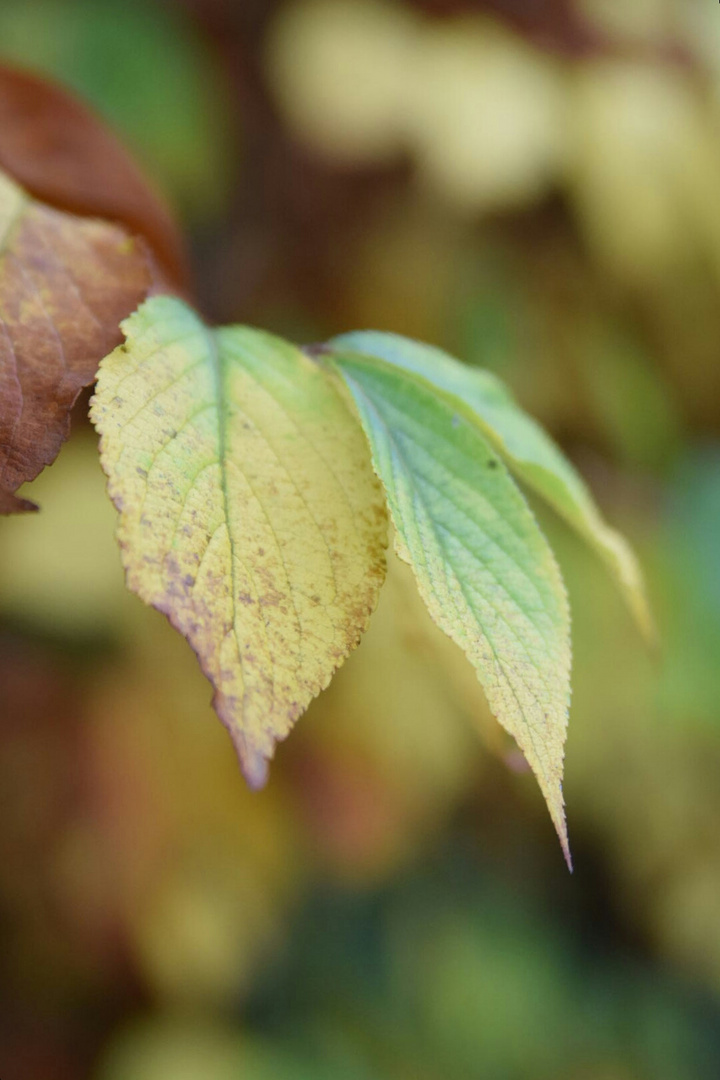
(249, 512)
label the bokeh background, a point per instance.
(536, 187)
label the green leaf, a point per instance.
(482, 565)
(529, 452)
(249, 511)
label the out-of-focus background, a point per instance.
(536, 187)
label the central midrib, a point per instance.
(217, 366)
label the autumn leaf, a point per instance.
(528, 451)
(65, 282)
(62, 154)
(249, 512)
(65, 285)
(482, 565)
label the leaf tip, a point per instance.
(254, 764)
(567, 854)
(556, 805)
(11, 503)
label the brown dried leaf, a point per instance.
(64, 155)
(65, 285)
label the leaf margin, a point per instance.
(462, 384)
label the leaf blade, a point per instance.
(87, 171)
(484, 569)
(527, 449)
(65, 284)
(249, 513)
